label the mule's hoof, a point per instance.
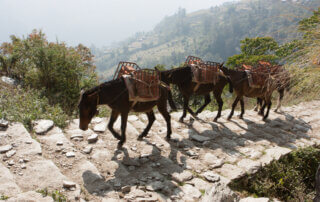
(265, 118)
(215, 119)
(240, 117)
(140, 138)
(181, 120)
(168, 138)
(229, 118)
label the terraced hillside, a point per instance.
(196, 165)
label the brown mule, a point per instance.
(182, 77)
(242, 88)
(115, 94)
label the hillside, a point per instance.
(213, 34)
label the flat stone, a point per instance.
(200, 184)
(249, 166)
(126, 189)
(211, 176)
(30, 196)
(155, 186)
(77, 135)
(60, 143)
(93, 138)
(251, 199)
(68, 184)
(42, 126)
(70, 154)
(11, 163)
(231, 171)
(182, 177)
(220, 192)
(87, 149)
(4, 123)
(212, 161)
(4, 149)
(199, 138)
(101, 127)
(176, 137)
(9, 81)
(191, 191)
(132, 118)
(10, 153)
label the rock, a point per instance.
(176, 137)
(220, 192)
(126, 189)
(93, 138)
(101, 127)
(211, 176)
(132, 118)
(200, 184)
(10, 153)
(4, 123)
(199, 138)
(212, 161)
(9, 80)
(131, 161)
(11, 163)
(69, 184)
(76, 136)
(87, 149)
(60, 143)
(42, 126)
(23, 166)
(182, 177)
(30, 196)
(251, 199)
(6, 148)
(70, 154)
(231, 171)
(155, 186)
(191, 191)
(249, 166)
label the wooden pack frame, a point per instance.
(143, 85)
(193, 60)
(125, 68)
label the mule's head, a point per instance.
(87, 108)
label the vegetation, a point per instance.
(55, 69)
(213, 34)
(56, 195)
(292, 178)
(50, 77)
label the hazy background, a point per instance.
(95, 22)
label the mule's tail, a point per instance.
(230, 85)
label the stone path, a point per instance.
(196, 165)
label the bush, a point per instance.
(292, 178)
(26, 105)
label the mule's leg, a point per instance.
(185, 106)
(207, 100)
(124, 117)
(281, 93)
(269, 106)
(262, 108)
(151, 119)
(162, 107)
(113, 118)
(217, 95)
(171, 102)
(258, 105)
(233, 106)
(242, 108)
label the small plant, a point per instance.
(202, 191)
(4, 197)
(56, 195)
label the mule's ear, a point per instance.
(156, 68)
(222, 64)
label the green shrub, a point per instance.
(292, 178)
(26, 105)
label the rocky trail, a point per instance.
(196, 165)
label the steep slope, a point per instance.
(212, 34)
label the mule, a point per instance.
(114, 93)
(182, 77)
(242, 88)
(282, 78)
